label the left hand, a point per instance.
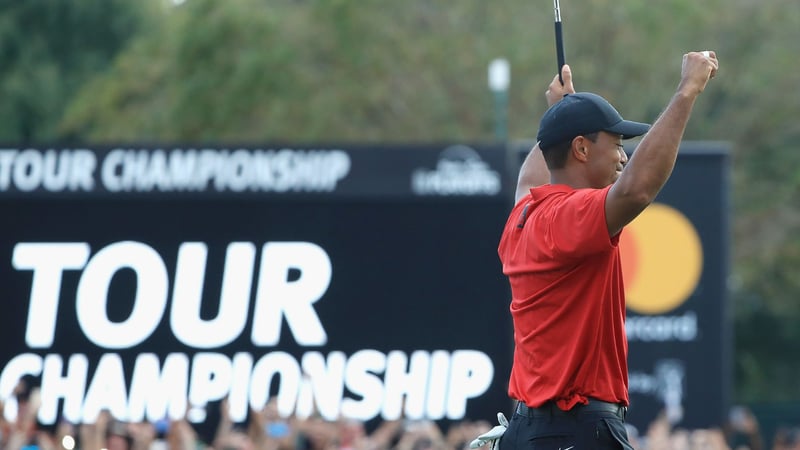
(556, 91)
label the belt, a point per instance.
(550, 409)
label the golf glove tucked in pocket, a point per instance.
(492, 436)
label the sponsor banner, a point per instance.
(361, 298)
(156, 305)
(675, 263)
(343, 171)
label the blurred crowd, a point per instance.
(266, 430)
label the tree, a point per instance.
(48, 49)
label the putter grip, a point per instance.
(559, 50)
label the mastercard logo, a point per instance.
(662, 259)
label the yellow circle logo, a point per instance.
(662, 259)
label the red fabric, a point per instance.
(568, 300)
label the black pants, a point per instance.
(549, 428)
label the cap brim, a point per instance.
(629, 129)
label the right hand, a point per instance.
(697, 69)
(556, 91)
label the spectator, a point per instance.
(459, 435)
(267, 430)
(743, 425)
(23, 432)
(787, 438)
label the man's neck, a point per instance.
(562, 176)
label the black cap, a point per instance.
(583, 113)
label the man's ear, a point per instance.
(579, 149)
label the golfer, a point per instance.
(576, 191)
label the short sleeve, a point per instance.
(576, 224)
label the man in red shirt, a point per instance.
(560, 252)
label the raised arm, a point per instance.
(533, 171)
(651, 164)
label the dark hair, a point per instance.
(556, 156)
(25, 385)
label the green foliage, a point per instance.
(415, 70)
(254, 70)
(48, 49)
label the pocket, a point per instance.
(552, 442)
(613, 431)
(558, 434)
(539, 434)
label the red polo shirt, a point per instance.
(568, 301)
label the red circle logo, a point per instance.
(662, 259)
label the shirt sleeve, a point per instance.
(576, 226)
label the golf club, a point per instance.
(559, 40)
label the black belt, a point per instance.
(550, 409)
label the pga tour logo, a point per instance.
(459, 171)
